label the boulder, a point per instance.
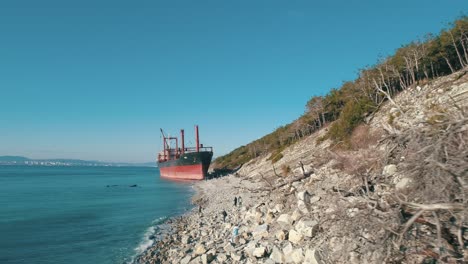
(303, 196)
(186, 259)
(186, 239)
(221, 257)
(294, 236)
(314, 199)
(205, 260)
(301, 205)
(389, 170)
(199, 249)
(297, 255)
(236, 256)
(284, 219)
(260, 231)
(296, 215)
(259, 252)
(279, 208)
(277, 256)
(307, 228)
(312, 257)
(287, 250)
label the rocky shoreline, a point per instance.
(264, 227)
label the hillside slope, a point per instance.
(400, 195)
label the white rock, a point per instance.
(307, 228)
(389, 170)
(281, 235)
(279, 208)
(314, 199)
(199, 249)
(312, 257)
(260, 231)
(259, 252)
(284, 219)
(287, 250)
(296, 215)
(277, 256)
(294, 236)
(221, 257)
(303, 196)
(297, 256)
(403, 183)
(186, 259)
(301, 205)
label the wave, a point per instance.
(155, 231)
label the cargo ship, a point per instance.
(184, 163)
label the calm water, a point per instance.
(69, 215)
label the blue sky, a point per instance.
(97, 79)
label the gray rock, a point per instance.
(237, 256)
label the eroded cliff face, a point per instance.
(398, 195)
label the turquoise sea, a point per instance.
(83, 214)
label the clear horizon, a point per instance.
(96, 80)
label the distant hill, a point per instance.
(19, 160)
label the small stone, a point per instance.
(403, 183)
(281, 235)
(303, 196)
(287, 250)
(301, 205)
(186, 239)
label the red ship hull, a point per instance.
(188, 172)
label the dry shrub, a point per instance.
(436, 162)
(362, 137)
(358, 162)
(285, 169)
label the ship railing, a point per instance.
(194, 149)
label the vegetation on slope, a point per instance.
(348, 106)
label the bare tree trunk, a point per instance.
(448, 63)
(379, 88)
(410, 69)
(432, 69)
(456, 49)
(462, 41)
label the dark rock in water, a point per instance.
(134, 185)
(151, 237)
